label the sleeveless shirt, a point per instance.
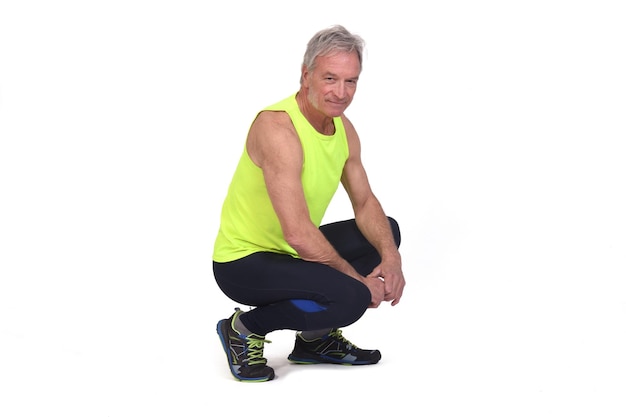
(248, 222)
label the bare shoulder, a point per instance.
(272, 134)
(347, 124)
(272, 121)
(352, 136)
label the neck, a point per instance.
(320, 122)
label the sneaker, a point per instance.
(244, 353)
(332, 348)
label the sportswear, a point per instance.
(331, 348)
(244, 353)
(248, 222)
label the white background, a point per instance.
(493, 131)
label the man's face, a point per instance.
(332, 84)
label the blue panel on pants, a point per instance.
(308, 306)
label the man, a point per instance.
(271, 252)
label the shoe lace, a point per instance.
(336, 333)
(255, 349)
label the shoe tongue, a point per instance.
(316, 334)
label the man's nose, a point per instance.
(340, 89)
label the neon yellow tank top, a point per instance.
(248, 223)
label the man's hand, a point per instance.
(377, 289)
(393, 278)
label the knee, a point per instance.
(351, 305)
(395, 229)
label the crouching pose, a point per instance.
(271, 251)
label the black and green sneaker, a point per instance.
(331, 348)
(244, 353)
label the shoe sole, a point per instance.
(327, 360)
(229, 357)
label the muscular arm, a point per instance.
(273, 145)
(372, 220)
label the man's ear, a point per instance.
(304, 76)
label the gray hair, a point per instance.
(333, 39)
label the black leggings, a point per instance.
(291, 293)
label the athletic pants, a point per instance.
(290, 293)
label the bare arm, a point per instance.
(274, 146)
(372, 220)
